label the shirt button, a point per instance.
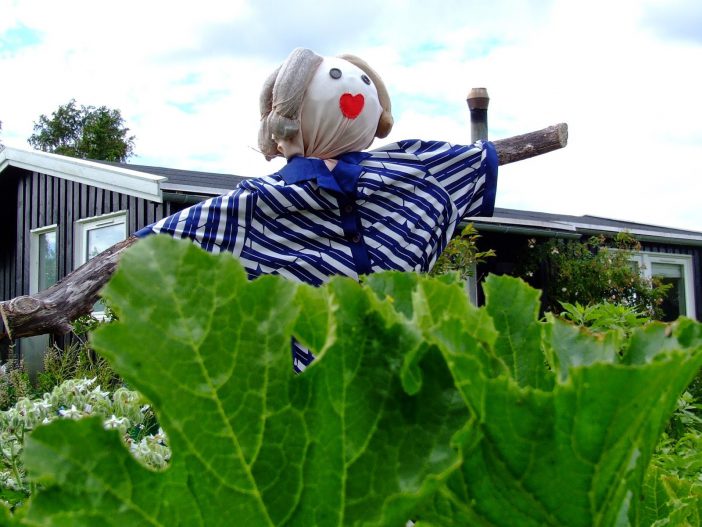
(348, 208)
(355, 238)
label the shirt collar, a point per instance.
(341, 180)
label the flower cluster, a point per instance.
(123, 410)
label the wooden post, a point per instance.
(478, 101)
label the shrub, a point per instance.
(591, 272)
(461, 254)
(14, 384)
(75, 361)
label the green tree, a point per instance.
(86, 132)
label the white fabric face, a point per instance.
(339, 114)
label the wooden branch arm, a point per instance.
(53, 310)
(531, 144)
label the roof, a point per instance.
(160, 183)
(189, 181)
(118, 178)
(566, 226)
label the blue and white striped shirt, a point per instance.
(394, 208)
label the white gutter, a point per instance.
(575, 229)
(643, 234)
(117, 179)
(524, 227)
(556, 225)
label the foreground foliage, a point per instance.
(418, 405)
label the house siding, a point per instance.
(30, 200)
(8, 228)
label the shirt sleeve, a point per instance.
(468, 173)
(217, 224)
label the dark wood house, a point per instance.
(57, 212)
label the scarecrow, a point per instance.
(334, 208)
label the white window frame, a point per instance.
(645, 261)
(80, 239)
(34, 236)
(84, 226)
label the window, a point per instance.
(43, 272)
(94, 235)
(676, 270)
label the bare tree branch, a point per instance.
(53, 310)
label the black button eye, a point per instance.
(335, 73)
(365, 79)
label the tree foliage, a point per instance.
(86, 132)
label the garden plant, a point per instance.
(419, 405)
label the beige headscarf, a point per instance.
(322, 107)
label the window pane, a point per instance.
(48, 269)
(101, 238)
(674, 302)
(98, 239)
(669, 270)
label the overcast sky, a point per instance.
(625, 76)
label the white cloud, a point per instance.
(186, 78)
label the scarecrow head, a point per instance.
(322, 107)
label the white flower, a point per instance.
(71, 413)
(83, 384)
(43, 405)
(114, 422)
(99, 393)
(564, 289)
(159, 437)
(554, 251)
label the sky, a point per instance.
(625, 76)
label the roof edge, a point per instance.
(108, 177)
(569, 228)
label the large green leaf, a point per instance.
(417, 402)
(514, 307)
(566, 448)
(253, 444)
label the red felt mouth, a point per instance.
(351, 105)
